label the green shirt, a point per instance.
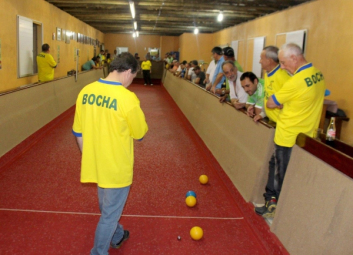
(257, 98)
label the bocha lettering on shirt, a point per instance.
(315, 78)
(99, 100)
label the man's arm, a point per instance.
(79, 141)
(273, 103)
(237, 104)
(250, 110)
(217, 80)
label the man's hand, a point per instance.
(222, 99)
(206, 81)
(213, 89)
(208, 87)
(257, 118)
(250, 111)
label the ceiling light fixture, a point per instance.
(135, 25)
(133, 34)
(137, 33)
(132, 9)
(220, 16)
(196, 31)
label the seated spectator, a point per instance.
(92, 64)
(200, 76)
(238, 96)
(255, 89)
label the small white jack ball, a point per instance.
(179, 238)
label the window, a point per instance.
(29, 44)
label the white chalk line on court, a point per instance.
(126, 215)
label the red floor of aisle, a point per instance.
(44, 209)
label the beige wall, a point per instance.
(141, 44)
(51, 18)
(25, 111)
(328, 44)
(196, 47)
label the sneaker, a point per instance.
(145, 84)
(125, 237)
(268, 210)
(151, 84)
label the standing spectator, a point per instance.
(274, 78)
(113, 56)
(218, 78)
(108, 118)
(238, 96)
(176, 67)
(91, 64)
(146, 71)
(255, 89)
(46, 64)
(209, 73)
(102, 57)
(184, 69)
(191, 73)
(137, 57)
(228, 54)
(301, 99)
(200, 76)
(156, 57)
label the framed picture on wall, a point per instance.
(67, 37)
(63, 35)
(58, 34)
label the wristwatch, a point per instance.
(223, 91)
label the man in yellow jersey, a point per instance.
(274, 77)
(108, 118)
(300, 100)
(146, 71)
(46, 64)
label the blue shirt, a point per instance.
(217, 71)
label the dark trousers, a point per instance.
(147, 76)
(277, 170)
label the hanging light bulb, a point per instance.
(196, 31)
(220, 16)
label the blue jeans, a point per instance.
(277, 170)
(111, 205)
